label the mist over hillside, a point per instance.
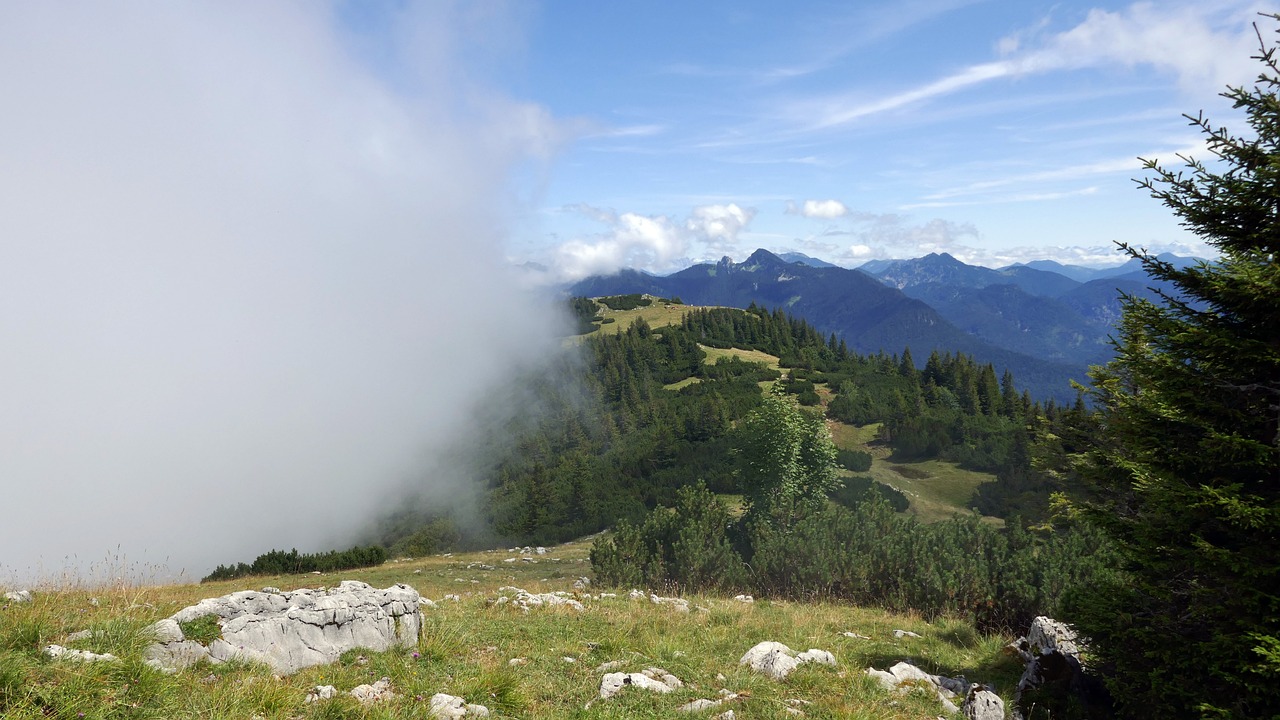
(221, 294)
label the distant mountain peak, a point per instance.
(763, 256)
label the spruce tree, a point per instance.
(1185, 472)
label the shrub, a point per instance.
(854, 460)
(686, 547)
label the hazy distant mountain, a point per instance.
(1079, 273)
(795, 257)
(941, 269)
(1028, 308)
(869, 315)
(875, 266)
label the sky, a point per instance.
(258, 258)
(1000, 131)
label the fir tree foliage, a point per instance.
(1185, 474)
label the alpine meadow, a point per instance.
(918, 488)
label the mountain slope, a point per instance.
(943, 269)
(867, 314)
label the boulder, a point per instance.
(292, 630)
(321, 692)
(778, 661)
(450, 707)
(370, 694)
(904, 676)
(982, 704)
(18, 596)
(654, 679)
(1054, 673)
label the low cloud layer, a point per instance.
(249, 279)
(655, 243)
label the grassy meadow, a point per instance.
(468, 647)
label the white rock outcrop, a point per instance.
(55, 652)
(904, 676)
(18, 596)
(982, 704)
(292, 630)
(376, 692)
(526, 600)
(778, 661)
(653, 679)
(449, 707)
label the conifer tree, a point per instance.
(1186, 470)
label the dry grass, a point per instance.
(467, 645)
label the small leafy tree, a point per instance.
(787, 461)
(1186, 469)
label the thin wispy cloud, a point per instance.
(1195, 42)
(1003, 199)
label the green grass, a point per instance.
(466, 647)
(657, 315)
(937, 489)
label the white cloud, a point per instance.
(719, 225)
(1207, 46)
(824, 209)
(654, 243)
(633, 241)
(860, 251)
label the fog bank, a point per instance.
(250, 272)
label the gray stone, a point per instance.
(982, 704)
(321, 692)
(293, 630)
(18, 596)
(903, 676)
(699, 705)
(450, 707)
(654, 679)
(370, 694)
(778, 661)
(526, 600)
(56, 652)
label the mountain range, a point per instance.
(1044, 321)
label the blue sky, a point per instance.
(999, 131)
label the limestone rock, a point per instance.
(904, 676)
(18, 596)
(905, 633)
(704, 704)
(321, 692)
(449, 707)
(526, 600)
(58, 652)
(377, 692)
(293, 630)
(1051, 651)
(778, 661)
(982, 704)
(655, 679)
(822, 657)
(744, 598)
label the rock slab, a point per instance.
(778, 661)
(292, 630)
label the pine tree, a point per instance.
(1186, 469)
